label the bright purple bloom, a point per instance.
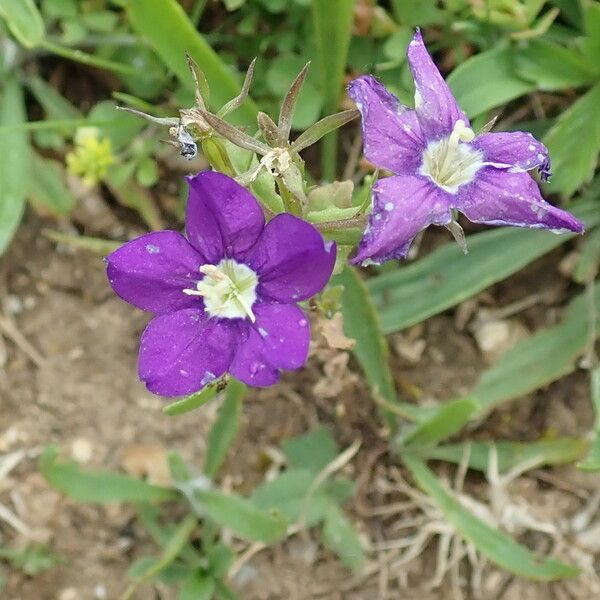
(440, 165)
(225, 297)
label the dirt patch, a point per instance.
(78, 389)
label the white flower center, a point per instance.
(449, 162)
(228, 289)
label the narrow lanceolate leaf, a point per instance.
(362, 324)
(553, 67)
(24, 21)
(48, 190)
(286, 115)
(321, 128)
(592, 460)
(224, 430)
(487, 80)
(588, 263)
(447, 420)
(541, 359)
(170, 32)
(446, 277)
(97, 486)
(509, 454)
(82, 242)
(333, 28)
(574, 143)
(241, 516)
(342, 538)
(495, 545)
(14, 166)
(180, 407)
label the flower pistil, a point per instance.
(228, 289)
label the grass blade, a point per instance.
(224, 430)
(14, 166)
(492, 543)
(539, 360)
(446, 277)
(592, 460)
(172, 34)
(362, 324)
(24, 21)
(333, 26)
(510, 454)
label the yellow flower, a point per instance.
(91, 156)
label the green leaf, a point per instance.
(242, 517)
(447, 420)
(553, 67)
(446, 277)
(14, 166)
(417, 12)
(32, 559)
(82, 242)
(24, 21)
(180, 407)
(97, 486)
(510, 454)
(224, 430)
(197, 587)
(119, 126)
(590, 45)
(171, 551)
(487, 80)
(170, 32)
(286, 494)
(539, 360)
(340, 537)
(55, 105)
(48, 189)
(574, 143)
(332, 23)
(495, 545)
(589, 258)
(361, 322)
(592, 460)
(313, 450)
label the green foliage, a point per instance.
(592, 460)
(32, 559)
(14, 168)
(97, 486)
(446, 277)
(497, 546)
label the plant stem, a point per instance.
(360, 221)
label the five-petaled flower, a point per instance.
(441, 166)
(225, 297)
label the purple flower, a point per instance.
(441, 166)
(225, 297)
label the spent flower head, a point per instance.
(224, 298)
(441, 166)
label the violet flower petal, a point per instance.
(279, 339)
(402, 206)
(183, 351)
(292, 260)
(517, 151)
(392, 136)
(498, 197)
(434, 103)
(285, 333)
(151, 271)
(222, 217)
(251, 363)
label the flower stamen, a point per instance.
(228, 289)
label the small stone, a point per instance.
(69, 593)
(495, 337)
(82, 450)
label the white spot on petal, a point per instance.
(302, 322)
(207, 378)
(152, 249)
(263, 332)
(389, 206)
(531, 148)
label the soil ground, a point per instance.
(68, 377)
